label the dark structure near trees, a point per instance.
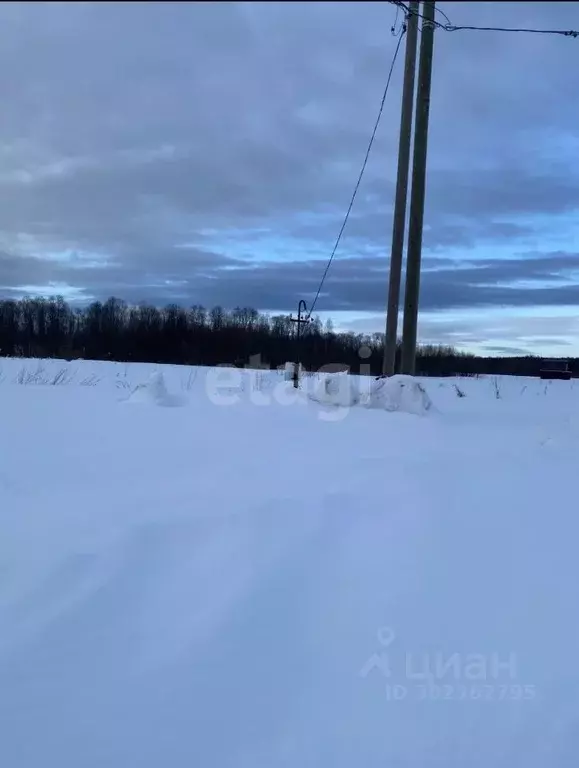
(555, 369)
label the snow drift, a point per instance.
(396, 393)
(399, 393)
(154, 392)
(339, 389)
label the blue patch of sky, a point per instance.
(51, 290)
(311, 236)
(79, 259)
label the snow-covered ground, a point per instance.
(214, 571)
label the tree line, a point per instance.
(113, 330)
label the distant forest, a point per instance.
(112, 330)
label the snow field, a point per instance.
(254, 578)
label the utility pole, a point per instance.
(412, 292)
(299, 321)
(389, 362)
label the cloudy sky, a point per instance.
(206, 153)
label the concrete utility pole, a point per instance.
(410, 324)
(389, 362)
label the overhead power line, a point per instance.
(442, 13)
(364, 164)
(448, 27)
(561, 32)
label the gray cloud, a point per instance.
(191, 275)
(131, 131)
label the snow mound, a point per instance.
(338, 389)
(399, 393)
(154, 392)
